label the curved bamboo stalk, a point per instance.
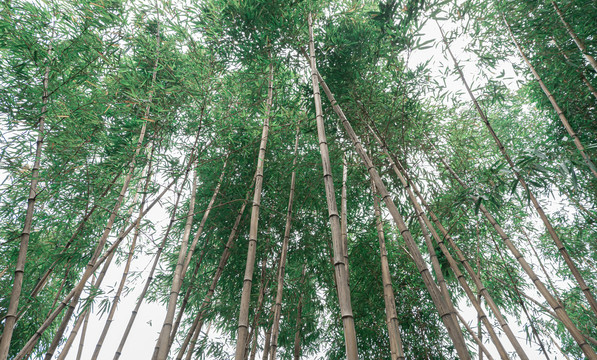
(282, 264)
(243, 318)
(553, 234)
(443, 308)
(338, 250)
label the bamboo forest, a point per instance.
(298, 179)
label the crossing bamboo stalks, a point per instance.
(90, 269)
(396, 349)
(161, 345)
(44, 278)
(127, 266)
(338, 253)
(519, 299)
(579, 43)
(476, 338)
(282, 265)
(443, 308)
(191, 338)
(243, 318)
(553, 234)
(160, 249)
(187, 295)
(73, 303)
(555, 106)
(554, 304)
(412, 189)
(184, 259)
(13, 305)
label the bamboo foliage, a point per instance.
(550, 229)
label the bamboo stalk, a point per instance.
(282, 264)
(83, 333)
(195, 329)
(162, 347)
(556, 107)
(392, 323)
(579, 43)
(334, 218)
(443, 308)
(243, 318)
(13, 305)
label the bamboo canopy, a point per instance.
(258, 179)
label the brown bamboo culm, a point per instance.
(243, 318)
(341, 275)
(11, 312)
(396, 349)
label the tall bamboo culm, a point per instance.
(340, 272)
(282, 264)
(243, 318)
(13, 305)
(396, 349)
